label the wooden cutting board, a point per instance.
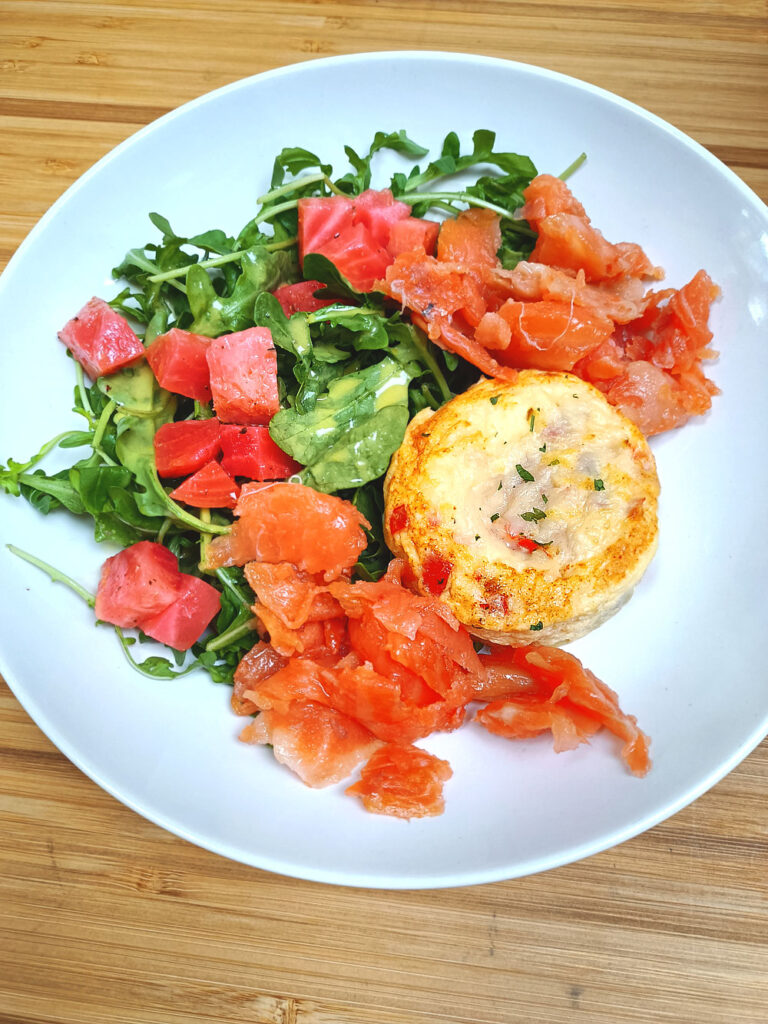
(105, 917)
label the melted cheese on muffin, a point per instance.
(529, 508)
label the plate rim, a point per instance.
(147, 809)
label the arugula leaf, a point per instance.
(294, 159)
(213, 314)
(359, 179)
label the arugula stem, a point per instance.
(291, 186)
(219, 261)
(55, 575)
(569, 170)
(233, 633)
(234, 590)
(273, 212)
(20, 470)
(167, 523)
(431, 363)
(178, 513)
(205, 538)
(412, 198)
(125, 644)
(100, 430)
(428, 397)
(83, 392)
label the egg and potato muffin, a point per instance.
(529, 508)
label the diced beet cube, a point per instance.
(184, 447)
(137, 582)
(251, 452)
(100, 339)
(178, 361)
(209, 487)
(184, 620)
(243, 370)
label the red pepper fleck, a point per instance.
(525, 542)
(398, 520)
(435, 572)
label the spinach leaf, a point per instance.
(362, 454)
(317, 438)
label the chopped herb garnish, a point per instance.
(543, 447)
(477, 536)
(575, 396)
(599, 485)
(531, 421)
(537, 626)
(534, 516)
(494, 399)
(544, 498)
(524, 474)
(495, 516)
(499, 487)
(555, 462)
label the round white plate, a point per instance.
(687, 655)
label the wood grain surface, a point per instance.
(106, 918)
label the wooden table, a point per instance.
(107, 918)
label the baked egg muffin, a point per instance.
(529, 508)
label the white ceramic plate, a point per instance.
(687, 655)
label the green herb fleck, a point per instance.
(544, 498)
(534, 516)
(477, 536)
(495, 516)
(524, 474)
(543, 447)
(599, 485)
(499, 487)
(494, 399)
(555, 462)
(531, 421)
(537, 626)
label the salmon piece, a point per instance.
(356, 689)
(655, 400)
(493, 332)
(415, 632)
(436, 289)
(546, 196)
(461, 344)
(549, 335)
(259, 663)
(567, 239)
(287, 522)
(516, 721)
(572, 243)
(674, 333)
(402, 781)
(621, 300)
(294, 596)
(471, 239)
(603, 363)
(319, 744)
(563, 689)
(379, 703)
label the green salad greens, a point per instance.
(351, 375)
